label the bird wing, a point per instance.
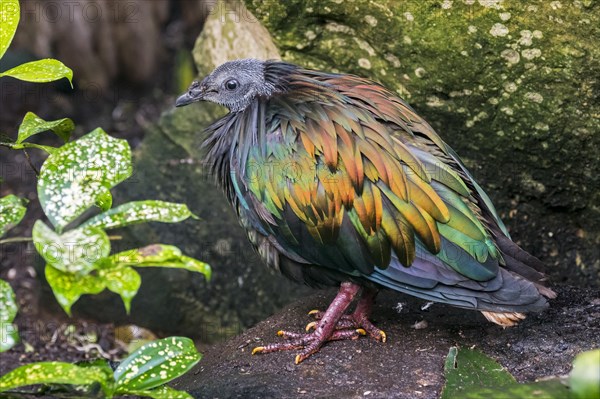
(347, 175)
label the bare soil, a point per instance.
(409, 364)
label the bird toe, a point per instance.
(310, 326)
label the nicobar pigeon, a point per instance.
(338, 182)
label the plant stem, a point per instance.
(37, 172)
(16, 239)
(12, 147)
(29, 239)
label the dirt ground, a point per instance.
(543, 345)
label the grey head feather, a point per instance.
(233, 84)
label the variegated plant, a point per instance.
(75, 178)
(143, 373)
(74, 191)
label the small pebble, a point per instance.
(12, 273)
(420, 325)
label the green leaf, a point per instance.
(46, 148)
(9, 20)
(33, 124)
(470, 368)
(124, 281)
(163, 392)
(68, 287)
(155, 364)
(41, 71)
(9, 336)
(8, 310)
(76, 251)
(551, 389)
(159, 255)
(102, 366)
(472, 375)
(104, 201)
(12, 210)
(585, 377)
(79, 173)
(8, 302)
(140, 211)
(51, 373)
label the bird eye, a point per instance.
(231, 84)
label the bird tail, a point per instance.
(524, 264)
(519, 262)
(504, 319)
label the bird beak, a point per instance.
(184, 99)
(194, 93)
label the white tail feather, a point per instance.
(504, 319)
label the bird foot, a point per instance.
(309, 342)
(355, 320)
(332, 325)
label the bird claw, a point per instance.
(350, 321)
(310, 343)
(332, 325)
(258, 349)
(289, 335)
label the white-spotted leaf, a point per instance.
(51, 373)
(33, 124)
(163, 392)
(159, 255)
(41, 71)
(8, 311)
(141, 211)
(9, 336)
(156, 363)
(12, 210)
(76, 251)
(123, 281)
(68, 287)
(9, 20)
(79, 173)
(102, 366)
(8, 303)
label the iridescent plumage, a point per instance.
(337, 179)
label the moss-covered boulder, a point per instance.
(512, 86)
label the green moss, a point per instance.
(512, 86)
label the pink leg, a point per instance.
(332, 324)
(325, 331)
(359, 318)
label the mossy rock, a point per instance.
(512, 86)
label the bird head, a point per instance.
(234, 85)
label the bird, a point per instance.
(338, 181)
